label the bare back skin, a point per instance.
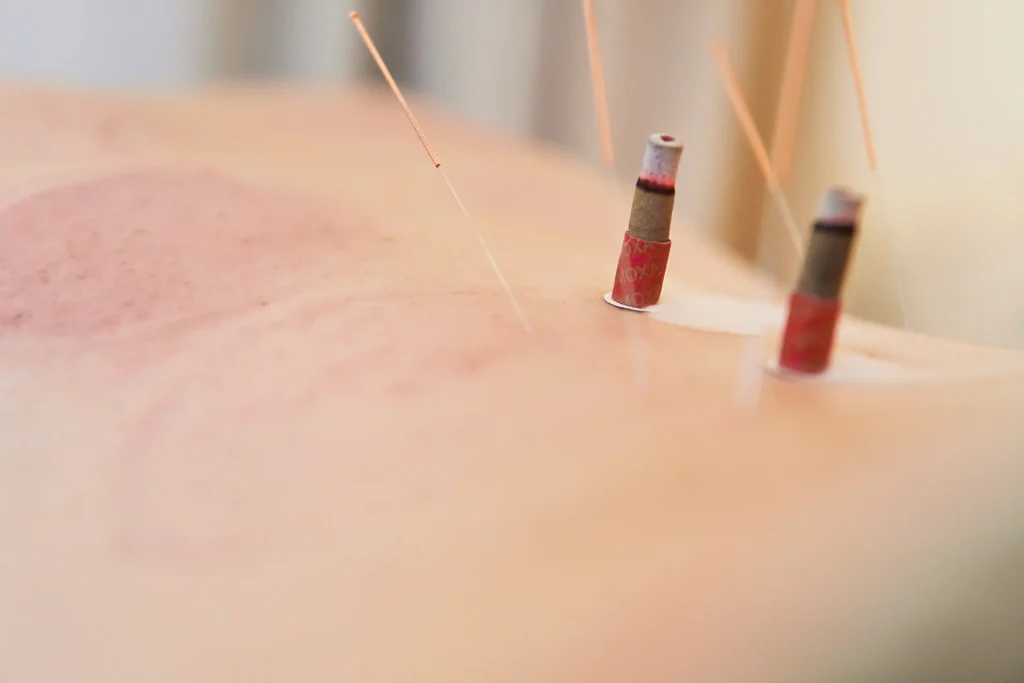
(267, 414)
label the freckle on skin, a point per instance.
(152, 246)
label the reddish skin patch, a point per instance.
(178, 459)
(360, 347)
(151, 247)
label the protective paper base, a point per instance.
(613, 302)
(722, 314)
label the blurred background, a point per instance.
(944, 207)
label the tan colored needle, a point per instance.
(597, 79)
(354, 16)
(858, 80)
(788, 112)
(746, 121)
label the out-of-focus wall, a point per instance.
(175, 43)
(109, 43)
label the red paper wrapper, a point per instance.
(641, 272)
(810, 333)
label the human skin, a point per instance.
(267, 414)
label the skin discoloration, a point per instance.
(154, 246)
(190, 493)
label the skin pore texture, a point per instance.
(267, 414)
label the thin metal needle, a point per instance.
(354, 16)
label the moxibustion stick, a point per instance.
(643, 260)
(814, 306)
